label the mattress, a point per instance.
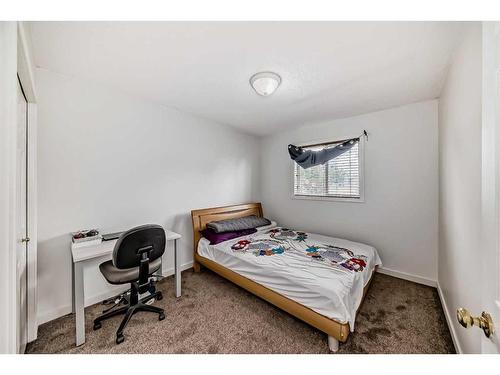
(325, 274)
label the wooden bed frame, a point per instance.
(337, 332)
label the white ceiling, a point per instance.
(329, 69)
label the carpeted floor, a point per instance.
(216, 316)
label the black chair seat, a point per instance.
(125, 275)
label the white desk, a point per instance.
(83, 254)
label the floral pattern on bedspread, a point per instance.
(280, 241)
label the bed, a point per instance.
(318, 279)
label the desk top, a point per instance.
(105, 247)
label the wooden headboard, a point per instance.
(202, 217)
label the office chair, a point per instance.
(136, 256)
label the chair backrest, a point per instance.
(125, 252)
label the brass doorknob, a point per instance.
(484, 321)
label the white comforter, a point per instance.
(323, 273)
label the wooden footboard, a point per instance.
(339, 331)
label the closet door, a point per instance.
(22, 215)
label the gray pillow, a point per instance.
(231, 225)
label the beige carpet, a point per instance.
(215, 316)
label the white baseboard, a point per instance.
(449, 321)
(408, 276)
(47, 316)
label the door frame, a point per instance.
(8, 130)
(26, 74)
(14, 44)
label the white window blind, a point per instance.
(338, 178)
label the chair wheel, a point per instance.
(120, 339)
(161, 316)
(159, 297)
(97, 326)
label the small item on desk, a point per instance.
(86, 237)
(111, 236)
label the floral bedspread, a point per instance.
(279, 241)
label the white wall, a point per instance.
(113, 161)
(400, 213)
(460, 186)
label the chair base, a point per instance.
(129, 310)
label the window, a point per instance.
(338, 179)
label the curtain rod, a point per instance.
(336, 141)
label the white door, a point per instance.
(489, 248)
(490, 244)
(21, 210)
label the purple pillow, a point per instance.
(216, 238)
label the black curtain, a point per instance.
(307, 158)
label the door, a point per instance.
(489, 256)
(490, 286)
(22, 216)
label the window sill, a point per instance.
(331, 199)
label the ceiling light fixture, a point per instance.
(265, 83)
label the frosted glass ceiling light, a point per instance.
(265, 83)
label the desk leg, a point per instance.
(79, 303)
(73, 307)
(177, 271)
